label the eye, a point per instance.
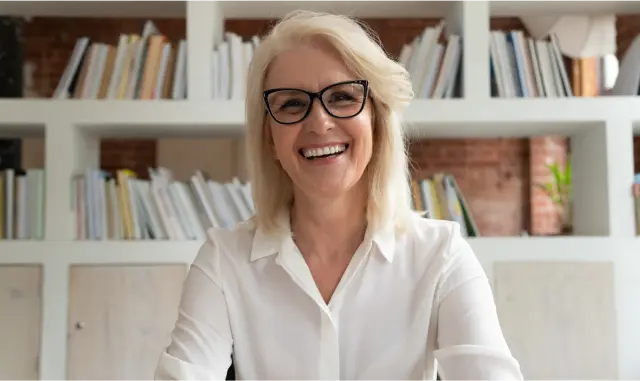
(341, 97)
(292, 103)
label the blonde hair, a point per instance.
(389, 190)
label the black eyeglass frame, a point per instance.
(318, 95)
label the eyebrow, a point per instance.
(302, 87)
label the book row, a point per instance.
(525, 67)
(137, 66)
(126, 206)
(439, 197)
(150, 66)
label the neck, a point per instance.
(329, 229)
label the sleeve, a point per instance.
(471, 345)
(201, 341)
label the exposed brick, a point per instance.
(491, 173)
(627, 28)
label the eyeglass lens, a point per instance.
(341, 100)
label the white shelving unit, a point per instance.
(601, 131)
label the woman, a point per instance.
(335, 277)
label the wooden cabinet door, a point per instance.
(120, 319)
(20, 321)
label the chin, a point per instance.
(330, 188)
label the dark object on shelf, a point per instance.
(11, 58)
(10, 153)
(231, 373)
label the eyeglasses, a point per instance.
(341, 100)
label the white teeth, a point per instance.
(323, 151)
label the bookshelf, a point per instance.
(601, 130)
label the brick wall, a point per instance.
(627, 28)
(494, 174)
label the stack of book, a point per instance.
(127, 207)
(149, 66)
(433, 66)
(439, 197)
(230, 64)
(522, 67)
(137, 66)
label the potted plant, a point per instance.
(559, 190)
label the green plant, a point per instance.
(559, 190)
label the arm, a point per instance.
(470, 340)
(201, 342)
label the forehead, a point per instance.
(310, 67)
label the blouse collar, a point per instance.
(280, 242)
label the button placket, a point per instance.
(329, 365)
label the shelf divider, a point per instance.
(68, 150)
(205, 24)
(470, 20)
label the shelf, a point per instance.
(517, 8)
(272, 9)
(97, 252)
(165, 252)
(516, 117)
(560, 248)
(493, 117)
(158, 118)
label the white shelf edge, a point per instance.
(439, 118)
(98, 252)
(175, 252)
(546, 114)
(548, 248)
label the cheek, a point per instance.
(363, 133)
(282, 142)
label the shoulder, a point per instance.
(236, 242)
(431, 237)
(223, 245)
(445, 252)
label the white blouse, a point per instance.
(405, 308)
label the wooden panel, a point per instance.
(33, 152)
(559, 318)
(120, 319)
(20, 322)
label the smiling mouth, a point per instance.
(324, 152)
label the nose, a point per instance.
(319, 120)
